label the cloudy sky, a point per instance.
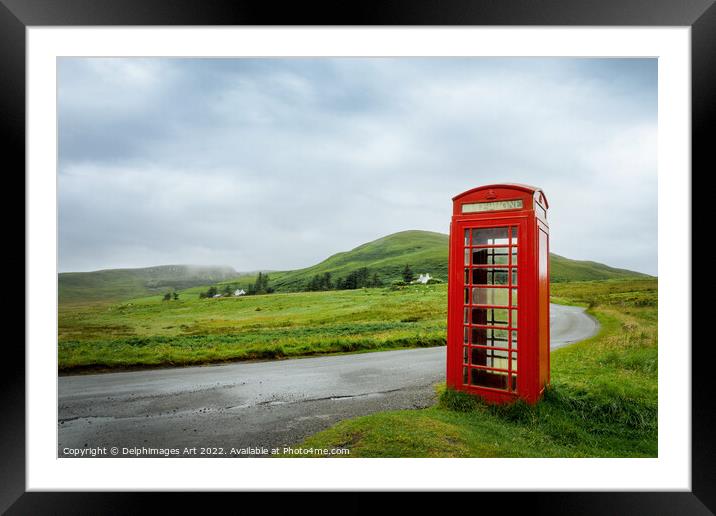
(279, 163)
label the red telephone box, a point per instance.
(498, 293)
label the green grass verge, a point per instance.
(602, 401)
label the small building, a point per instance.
(423, 278)
(216, 295)
(239, 292)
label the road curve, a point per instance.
(569, 324)
(257, 404)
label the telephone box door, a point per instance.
(488, 326)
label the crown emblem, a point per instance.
(491, 195)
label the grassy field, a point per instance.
(602, 401)
(152, 332)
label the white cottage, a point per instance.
(239, 292)
(423, 278)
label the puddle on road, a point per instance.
(358, 396)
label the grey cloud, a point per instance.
(277, 163)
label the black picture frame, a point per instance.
(17, 15)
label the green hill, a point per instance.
(564, 269)
(117, 284)
(424, 251)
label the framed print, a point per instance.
(303, 167)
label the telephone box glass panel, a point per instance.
(490, 305)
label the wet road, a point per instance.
(257, 404)
(569, 324)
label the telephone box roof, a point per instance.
(511, 186)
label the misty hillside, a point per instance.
(117, 284)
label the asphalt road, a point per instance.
(257, 404)
(569, 324)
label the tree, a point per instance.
(408, 274)
(211, 292)
(362, 277)
(326, 283)
(261, 286)
(359, 278)
(314, 284)
(375, 281)
(351, 281)
(167, 296)
(175, 296)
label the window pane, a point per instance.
(514, 382)
(514, 297)
(493, 379)
(514, 236)
(514, 276)
(490, 256)
(490, 317)
(464, 355)
(466, 319)
(467, 276)
(514, 340)
(464, 375)
(466, 335)
(467, 237)
(467, 256)
(489, 358)
(467, 296)
(514, 256)
(489, 337)
(488, 276)
(514, 361)
(491, 296)
(490, 236)
(513, 322)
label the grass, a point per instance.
(602, 401)
(149, 332)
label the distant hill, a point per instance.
(117, 284)
(424, 251)
(564, 269)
